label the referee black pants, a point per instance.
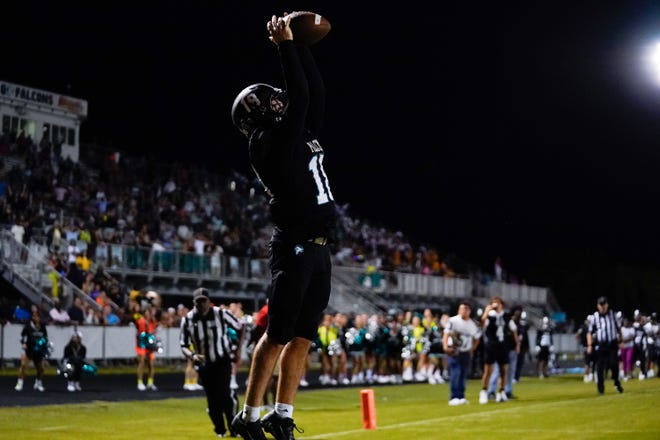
(607, 358)
(222, 404)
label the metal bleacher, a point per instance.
(175, 274)
(29, 272)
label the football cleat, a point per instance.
(247, 430)
(279, 427)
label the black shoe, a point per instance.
(247, 430)
(279, 427)
(619, 388)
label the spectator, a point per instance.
(88, 284)
(75, 275)
(18, 230)
(93, 317)
(109, 316)
(58, 315)
(499, 269)
(461, 337)
(54, 238)
(83, 262)
(72, 251)
(77, 311)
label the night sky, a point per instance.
(528, 131)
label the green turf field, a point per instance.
(560, 407)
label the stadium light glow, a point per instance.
(653, 61)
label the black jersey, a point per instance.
(288, 158)
(495, 327)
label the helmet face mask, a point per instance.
(258, 105)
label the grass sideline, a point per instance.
(557, 407)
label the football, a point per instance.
(308, 27)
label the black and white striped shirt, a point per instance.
(604, 329)
(208, 334)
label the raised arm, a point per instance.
(316, 86)
(296, 86)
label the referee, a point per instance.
(204, 340)
(603, 339)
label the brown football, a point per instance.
(308, 27)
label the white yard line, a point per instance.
(465, 417)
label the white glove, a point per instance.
(537, 349)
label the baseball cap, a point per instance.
(602, 300)
(200, 292)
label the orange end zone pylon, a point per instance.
(368, 409)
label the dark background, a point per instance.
(523, 130)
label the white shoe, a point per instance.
(455, 402)
(303, 382)
(38, 386)
(432, 380)
(650, 373)
(501, 397)
(196, 387)
(141, 386)
(344, 381)
(152, 387)
(77, 386)
(483, 397)
(464, 401)
(19, 385)
(408, 374)
(587, 379)
(641, 376)
(187, 387)
(233, 384)
(420, 377)
(70, 388)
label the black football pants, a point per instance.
(607, 358)
(216, 377)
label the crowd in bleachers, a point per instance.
(72, 209)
